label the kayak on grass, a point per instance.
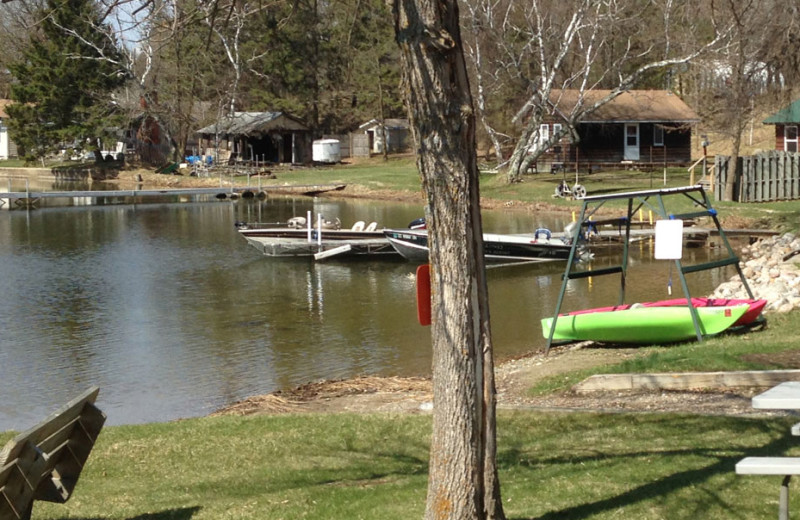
(643, 325)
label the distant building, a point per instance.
(7, 147)
(638, 126)
(397, 135)
(786, 124)
(274, 137)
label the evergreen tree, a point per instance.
(330, 63)
(64, 79)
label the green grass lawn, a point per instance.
(346, 466)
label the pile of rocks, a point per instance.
(772, 269)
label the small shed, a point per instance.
(397, 135)
(786, 124)
(7, 147)
(637, 127)
(274, 137)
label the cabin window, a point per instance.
(556, 128)
(658, 135)
(790, 138)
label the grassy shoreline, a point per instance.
(344, 465)
(398, 179)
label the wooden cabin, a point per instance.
(264, 137)
(638, 128)
(786, 124)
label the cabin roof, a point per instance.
(391, 124)
(790, 114)
(3, 104)
(633, 106)
(254, 123)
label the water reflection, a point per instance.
(173, 315)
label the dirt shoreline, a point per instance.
(149, 180)
(413, 395)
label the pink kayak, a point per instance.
(753, 311)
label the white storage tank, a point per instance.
(327, 151)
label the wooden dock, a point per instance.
(29, 198)
(692, 234)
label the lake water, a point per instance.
(173, 315)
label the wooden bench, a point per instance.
(779, 466)
(44, 463)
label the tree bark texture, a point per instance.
(462, 481)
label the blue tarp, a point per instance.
(192, 159)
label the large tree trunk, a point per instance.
(463, 481)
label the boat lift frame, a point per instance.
(593, 203)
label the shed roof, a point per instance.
(634, 106)
(391, 124)
(254, 123)
(3, 104)
(790, 114)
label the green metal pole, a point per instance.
(570, 261)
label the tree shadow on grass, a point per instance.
(666, 485)
(183, 513)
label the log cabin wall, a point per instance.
(602, 144)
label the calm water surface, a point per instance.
(173, 315)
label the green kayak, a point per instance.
(643, 325)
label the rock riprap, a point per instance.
(772, 269)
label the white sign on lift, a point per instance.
(669, 239)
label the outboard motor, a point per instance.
(418, 224)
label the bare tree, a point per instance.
(463, 480)
(481, 23)
(738, 83)
(231, 31)
(748, 69)
(547, 47)
(15, 19)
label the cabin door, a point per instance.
(631, 151)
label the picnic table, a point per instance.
(785, 396)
